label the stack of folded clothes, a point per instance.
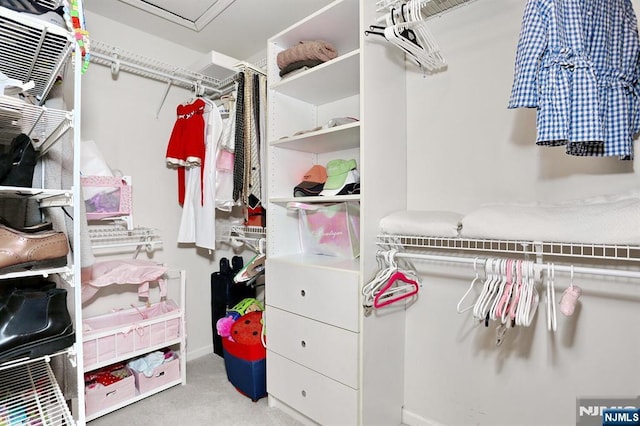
(304, 55)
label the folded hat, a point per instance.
(312, 182)
(337, 171)
(348, 187)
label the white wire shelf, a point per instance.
(243, 230)
(556, 249)
(428, 8)
(39, 123)
(118, 58)
(32, 49)
(29, 394)
(116, 236)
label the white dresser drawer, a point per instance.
(323, 293)
(324, 348)
(316, 396)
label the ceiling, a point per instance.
(237, 28)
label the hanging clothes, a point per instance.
(578, 63)
(197, 224)
(251, 193)
(186, 147)
(238, 165)
(249, 137)
(225, 157)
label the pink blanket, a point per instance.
(318, 49)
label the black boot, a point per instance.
(29, 284)
(23, 158)
(34, 324)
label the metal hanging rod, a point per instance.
(538, 266)
(429, 7)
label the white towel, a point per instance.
(422, 223)
(607, 219)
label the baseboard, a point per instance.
(200, 352)
(412, 419)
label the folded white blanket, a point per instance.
(422, 223)
(607, 219)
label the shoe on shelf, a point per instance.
(34, 324)
(17, 166)
(38, 227)
(21, 251)
(35, 283)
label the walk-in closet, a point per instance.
(333, 212)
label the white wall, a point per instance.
(466, 148)
(120, 115)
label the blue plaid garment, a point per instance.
(578, 63)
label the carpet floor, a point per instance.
(208, 398)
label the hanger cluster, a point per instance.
(510, 297)
(391, 284)
(407, 30)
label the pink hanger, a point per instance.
(392, 279)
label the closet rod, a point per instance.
(539, 266)
(428, 8)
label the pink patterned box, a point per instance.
(106, 196)
(99, 398)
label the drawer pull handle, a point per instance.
(303, 293)
(304, 393)
(303, 344)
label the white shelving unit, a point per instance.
(173, 340)
(321, 348)
(35, 50)
(117, 238)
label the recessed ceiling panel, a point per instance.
(193, 14)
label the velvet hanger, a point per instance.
(387, 294)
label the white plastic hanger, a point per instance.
(551, 298)
(466, 293)
(528, 302)
(425, 38)
(372, 287)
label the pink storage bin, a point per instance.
(162, 375)
(114, 336)
(101, 397)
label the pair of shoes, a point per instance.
(38, 227)
(20, 250)
(34, 324)
(17, 166)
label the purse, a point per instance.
(331, 229)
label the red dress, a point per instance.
(186, 146)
